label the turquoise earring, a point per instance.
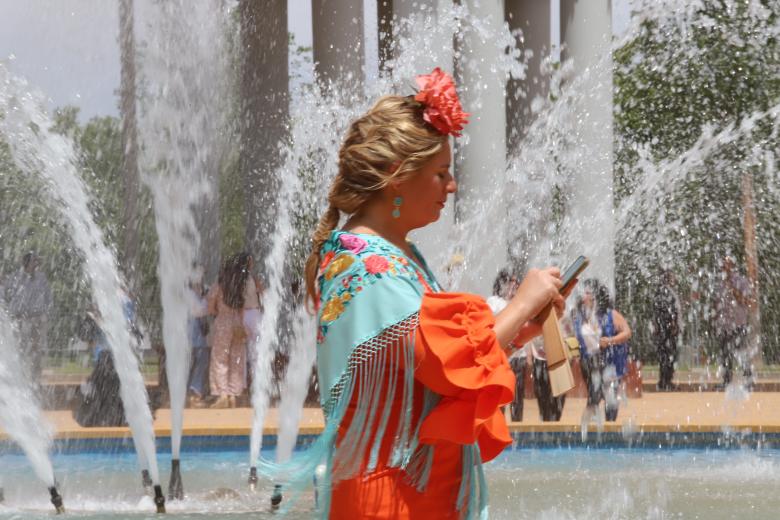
(397, 206)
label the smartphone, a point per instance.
(574, 271)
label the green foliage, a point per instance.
(231, 208)
(31, 222)
(708, 68)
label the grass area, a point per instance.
(82, 366)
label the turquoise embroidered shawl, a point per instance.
(370, 298)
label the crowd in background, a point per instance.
(601, 349)
(224, 318)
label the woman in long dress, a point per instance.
(411, 378)
(227, 370)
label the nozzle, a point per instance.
(175, 486)
(252, 478)
(159, 499)
(146, 482)
(276, 497)
(56, 500)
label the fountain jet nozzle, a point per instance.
(252, 478)
(175, 486)
(56, 500)
(146, 482)
(159, 498)
(276, 497)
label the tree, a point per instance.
(696, 71)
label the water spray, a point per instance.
(276, 496)
(159, 498)
(146, 482)
(56, 500)
(175, 486)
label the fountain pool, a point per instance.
(554, 483)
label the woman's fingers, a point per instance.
(555, 274)
(560, 305)
(540, 288)
(570, 288)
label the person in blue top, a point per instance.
(603, 335)
(197, 331)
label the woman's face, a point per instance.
(425, 192)
(587, 298)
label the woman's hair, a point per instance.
(388, 143)
(232, 279)
(502, 279)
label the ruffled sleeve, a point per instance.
(458, 356)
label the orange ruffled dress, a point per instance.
(458, 357)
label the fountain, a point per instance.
(540, 190)
(39, 152)
(183, 69)
(20, 414)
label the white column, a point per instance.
(265, 108)
(338, 41)
(586, 30)
(533, 18)
(481, 157)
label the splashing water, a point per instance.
(296, 381)
(37, 151)
(20, 413)
(182, 131)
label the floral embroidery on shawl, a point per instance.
(377, 258)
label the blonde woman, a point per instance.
(412, 379)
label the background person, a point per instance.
(252, 312)
(98, 400)
(504, 287)
(197, 328)
(603, 334)
(666, 328)
(28, 295)
(732, 302)
(550, 406)
(227, 370)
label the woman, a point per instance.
(227, 371)
(603, 334)
(411, 378)
(98, 399)
(252, 313)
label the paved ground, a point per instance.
(654, 412)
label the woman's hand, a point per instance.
(605, 342)
(539, 288)
(560, 305)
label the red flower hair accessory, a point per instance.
(442, 106)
